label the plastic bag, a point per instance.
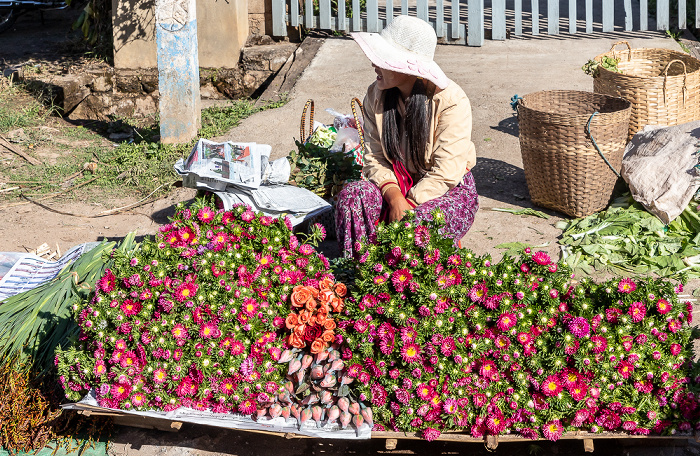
(660, 167)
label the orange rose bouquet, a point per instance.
(311, 318)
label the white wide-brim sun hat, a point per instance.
(406, 45)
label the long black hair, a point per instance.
(415, 124)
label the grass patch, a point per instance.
(18, 109)
(137, 167)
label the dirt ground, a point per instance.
(52, 46)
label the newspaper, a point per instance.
(23, 271)
(296, 203)
(328, 430)
(214, 166)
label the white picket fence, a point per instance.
(469, 21)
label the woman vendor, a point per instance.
(417, 126)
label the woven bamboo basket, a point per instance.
(663, 85)
(563, 168)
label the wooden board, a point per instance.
(492, 442)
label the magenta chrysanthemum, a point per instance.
(247, 407)
(425, 392)
(185, 291)
(506, 321)
(410, 352)
(478, 292)
(449, 406)
(626, 286)
(637, 311)
(431, 434)
(600, 344)
(553, 430)
(108, 281)
(206, 215)
(209, 330)
(551, 386)
(663, 306)
(130, 308)
(179, 331)
(496, 423)
(579, 327)
(400, 279)
(541, 258)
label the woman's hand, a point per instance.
(397, 203)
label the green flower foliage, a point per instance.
(440, 339)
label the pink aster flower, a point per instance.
(674, 326)
(206, 215)
(600, 344)
(107, 282)
(130, 308)
(609, 420)
(306, 249)
(425, 392)
(488, 369)
(421, 236)
(675, 349)
(408, 334)
(541, 258)
(185, 291)
(209, 330)
(524, 338)
(480, 400)
(626, 286)
(551, 386)
(579, 327)
(579, 391)
(187, 387)
(495, 423)
(506, 321)
(120, 391)
(637, 311)
(553, 430)
(430, 434)
(400, 279)
(663, 306)
(478, 292)
(410, 352)
(179, 331)
(248, 406)
(138, 399)
(449, 406)
(160, 376)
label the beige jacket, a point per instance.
(450, 152)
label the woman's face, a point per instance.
(387, 79)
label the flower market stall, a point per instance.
(227, 316)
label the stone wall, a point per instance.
(100, 91)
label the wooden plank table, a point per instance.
(391, 438)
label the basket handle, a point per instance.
(354, 104)
(685, 77)
(595, 144)
(302, 128)
(629, 48)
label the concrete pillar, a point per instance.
(178, 70)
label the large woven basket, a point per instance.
(563, 169)
(662, 85)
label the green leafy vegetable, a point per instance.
(526, 211)
(626, 239)
(609, 63)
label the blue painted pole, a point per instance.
(178, 70)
